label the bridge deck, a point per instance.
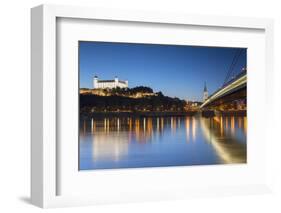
(231, 87)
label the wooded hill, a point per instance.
(120, 100)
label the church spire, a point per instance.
(205, 92)
(205, 87)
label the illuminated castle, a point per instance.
(109, 84)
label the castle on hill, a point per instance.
(109, 84)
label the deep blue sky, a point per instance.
(177, 71)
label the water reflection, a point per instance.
(126, 142)
(230, 148)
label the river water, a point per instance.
(126, 142)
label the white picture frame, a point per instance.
(44, 149)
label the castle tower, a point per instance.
(95, 82)
(116, 81)
(205, 93)
(127, 83)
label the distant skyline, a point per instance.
(175, 70)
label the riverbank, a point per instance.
(241, 113)
(137, 114)
(234, 113)
(212, 113)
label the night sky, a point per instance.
(177, 71)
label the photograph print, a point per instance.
(156, 105)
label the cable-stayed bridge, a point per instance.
(233, 90)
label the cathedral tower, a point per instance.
(205, 93)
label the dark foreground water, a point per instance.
(107, 143)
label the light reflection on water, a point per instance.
(128, 142)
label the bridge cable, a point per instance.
(233, 64)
